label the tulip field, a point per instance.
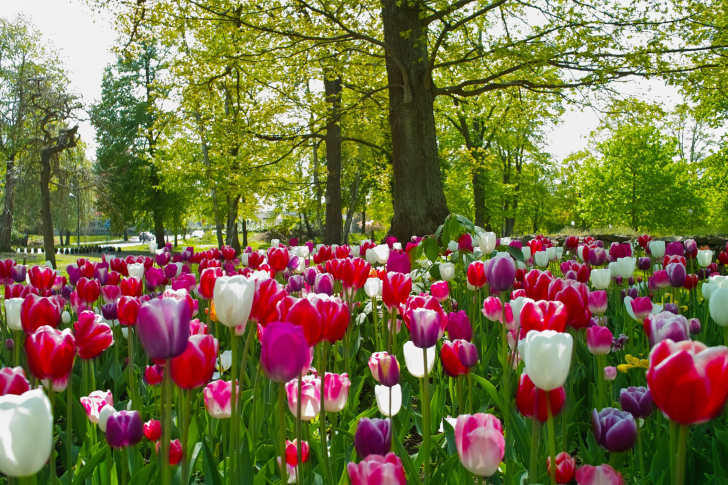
(448, 359)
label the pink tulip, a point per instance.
(377, 470)
(94, 402)
(336, 391)
(440, 290)
(492, 308)
(310, 397)
(641, 307)
(599, 340)
(13, 381)
(660, 279)
(385, 368)
(598, 475)
(111, 293)
(598, 302)
(480, 443)
(218, 396)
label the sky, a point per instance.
(84, 38)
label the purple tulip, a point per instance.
(613, 429)
(620, 250)
(598, 302)
(637, 401)
(74, 273)
(570, 275)
(293, 262)
(631, 292)
(170, 271)
(163, 326)
(154, 277)
(101, 273)
(516, 243)
(186, 254)
(666, 325)
(597, 256)
(691, 247)
(161, 259)
(324, 284)
(109, 311)
(676, 274)
(671, 307)
(373, 437)
(66, 292)
(500, 272)
(295, 283)
(643, 264)
(695, 327)
(284, 351)
(674, 249)
(18, 273)
(468, 354)
(124, 428)
(425, 328)
(458, 326)
(398, 262)
(309, 275)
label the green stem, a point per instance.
(124, 466)
(470, 393)
(533, 468)
(282, 431)
(69, 432)
(425, 419)
(167, 422)
(233, 409)
(299, 453)
(725, 335)
(552, 438)
(16, 347)
(130, 366)
(109, 463)
(322, 422)
(460, 394)
(682, 442)
(52, 462)
(185, 430)
(639, 451)
(246, 349)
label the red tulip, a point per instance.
(268, 292)
(255, 260)
(42, 277)
(302, 313)
(175, 451)
(543, 315)
(88, 290)
(575, 296)
(451, 360)
(476, 274)
(691, 281)
(532, 400)
(324, 254)
(86, 267)
(396, 288)
(13, 381)
(153, 374)
(92, 336)
(127, 310)
(688, 380)
(278, 258)
(119, 265)
(354, 273)
(19, 291)
(565, 467)
(153, 430)
(427, 302)
(37, 311)
(537, 284)
(131, 287)
(195, 366)
(207, 282)
(334, 318)
(50, 352)
(111, 293)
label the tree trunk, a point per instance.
(334, 223)
(45, 203)
(309, 231)
(232, 223)
(158, 220)
(6, 223)
(245, 233)
(126, 234)
(317, 184)
(352, 206)
(364, 219)
(418, 197)
(68, 238)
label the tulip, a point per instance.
(18, 273)
(175, 452)
(705, 256)
(41, 277)
(575, 297)
(547, 358)
(389, 399)
(541, 258)
(233, 298)
(487, 241)
(104, 415)
(666, 325)
(610, 373)
(37, 311)
(208, 277)
(124, 428)
(13, 381)
(657, 249)
(164, 327)
(637, 401)
(373, 437)
(95, 402)
(691, 247)
(398, 262)
(492, 309)
(377, 470)
(295, 284)
(131, 287)
(88, 290)
(285, 353)
(153, 374)
(447, 271)
(153, 430)
(597, 256)
(12, 313)
(531, 401)
(451, 362)
(324, 283)
(127, 310)
(92, 336)
(695, 327)
(218, 396)
(500, 272)
(396, 287)
(336, 391)
(414, 360)
(303, 313)
(542, 315)
(334, 318)
(50, 352)
(381, 253)
(598, 475)
(565, 466)
(26, 433)
(373, 287)
(385, 368)
(426, 327)
(476, 274)
(638, 308)
(598, 340)
(718, 305)
(194, 367)
(625, 267)
(676, 274)
(480, 443)
(601, 278)
(458, 326)
(597, 302)
(613, 429)
(111, 293)
(688, 380)
(278, 258)
(440, 291)
(310, 397)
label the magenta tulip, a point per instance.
(377, 470)
(285, 353)
(599, 340)
(163, 326)
(480, 443)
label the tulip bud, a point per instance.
(598, 340)
(384, 368)
(637, 401)
(218, 398)
(310, 397)
(610, 373)
(386, 395)
(565, 467)
(547, 358)
(124, 429)
(373, 437)
(153, 430)
(377, 469)
(458, 326)
(414, 360)
(613, 429)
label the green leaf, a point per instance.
(145, 476)
(431, 249)
(88, 467)
(209, 466)
(516, 253)
(490, 388)
(409, 467)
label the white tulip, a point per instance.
(505, 241)
(104, 415)
(66, 317)
(552, 253)
(657, 249)
(274, 243)
(381, 252)
(453, 246)
(516, 307)
(718, 306)
(397, 245)
(355, 251)
(12, 313)
(373, 287)
(541, 258)
(233, 297)
(625, 267)
(547, 358)
(559, 252)
(705, 256)
(26, 433)
(600, 278)
(225, 361)
(414, 359)
(447, 271)
(487, 242)
(136, 270)
(382, 394)
(152, 247)
(526, 253)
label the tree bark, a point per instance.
(334, 222)
(352, 205)
(6, 223)
(232, 223)
(245, 233)
(126, 235)
(317, 185)
(364, 219)
(418, 197)
(68, 238)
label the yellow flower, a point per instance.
(633, 363)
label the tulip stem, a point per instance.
(167, 421)
(322, 422)
(69, 429)
(130, 366)
(243, 367)
(639, 451)
(533, 469)
(425, 418)
(299, 453)
(725, 336)
(470, 393)
(552, 437)
(124, 466)
(185, 429)
(52, 462)
(682, 442)
(233, 408)
(460, 394)
(16, 347)
(282, 431)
